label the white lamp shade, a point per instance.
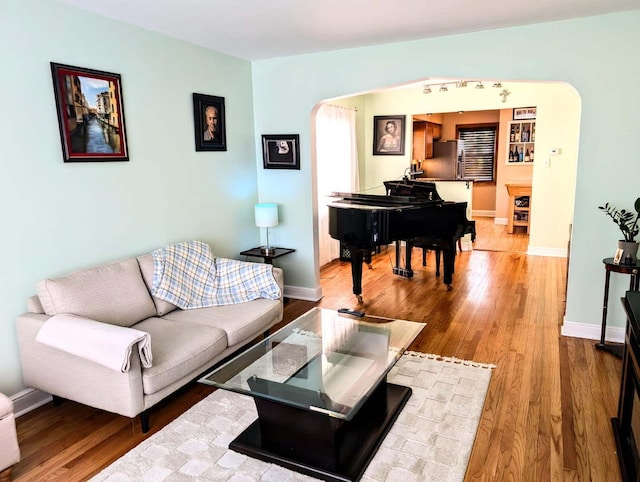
(266, 215)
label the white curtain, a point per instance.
(337, 167)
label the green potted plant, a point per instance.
(627, 222)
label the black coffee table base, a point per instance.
(318, 445)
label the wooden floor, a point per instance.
(549, 404)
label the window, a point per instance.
(479, 145)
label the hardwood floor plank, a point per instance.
(547, 410)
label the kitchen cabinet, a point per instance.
(437, 131)
(519, 205)
(424, 133)
(520, 148)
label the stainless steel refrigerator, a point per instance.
(447, 161)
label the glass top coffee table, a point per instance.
(319, 385)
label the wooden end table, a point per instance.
(634, 282)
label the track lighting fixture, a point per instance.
(427, 89)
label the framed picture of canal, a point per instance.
(90, 114)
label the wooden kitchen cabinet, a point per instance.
(519, 205)
(437, 131)
(424, 133)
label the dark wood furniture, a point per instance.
(626, 426)
(268, 258)
(610, 266)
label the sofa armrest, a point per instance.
(278, 274)
(72, 377)
(104, 343)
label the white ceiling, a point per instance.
(261, 29)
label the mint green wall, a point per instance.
(595, 55)
(59, 217)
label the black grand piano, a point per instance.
(412, 211)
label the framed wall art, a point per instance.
(281, 151)
(209, 124)
(388, 135)
(90, 114)
(524, 113)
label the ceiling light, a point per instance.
(442, 86)
(505, 93)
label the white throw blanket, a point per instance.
(103, 343)
(188, 276)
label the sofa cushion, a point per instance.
(147, 267)
(113, 293)
(239, 321)
(178, 349)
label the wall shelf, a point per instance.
(520, 148)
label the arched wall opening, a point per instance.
(553, 177)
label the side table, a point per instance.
(268, 258)
(630, 269)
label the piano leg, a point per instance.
(449, 258)
(356, 272)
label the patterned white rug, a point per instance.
(430, 441)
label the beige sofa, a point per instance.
(184, 344)
(9, 449)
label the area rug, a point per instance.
(430, 441)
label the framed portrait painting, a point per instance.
(281, 151)
(388, 135)
(90, 114)
(209, 123)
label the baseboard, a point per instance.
(483, 213)
(28, 400)
(305, 294)
(591, 332)
(501, 221)
(551, 252)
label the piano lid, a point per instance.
(381, 201)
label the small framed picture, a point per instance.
(90, 114)
(524, 113)
(281, 151)
(209, 123)
(618, 256)
(388, 135)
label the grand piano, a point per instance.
(412, 211)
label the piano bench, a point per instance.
(428, 244)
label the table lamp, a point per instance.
(267, 217)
